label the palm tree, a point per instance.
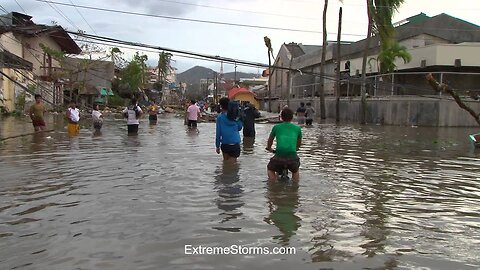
(364, 63)
(382, 12)
(387, 57)
(163, 67)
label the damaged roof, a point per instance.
(22, 24)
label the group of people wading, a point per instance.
(231, 119)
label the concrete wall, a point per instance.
(35, 55)
(402, 111)
(279, 77)
(434, 55)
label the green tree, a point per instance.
(132, 77)
(382, 12)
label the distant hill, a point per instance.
(193, 75)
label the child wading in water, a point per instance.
(97, 118)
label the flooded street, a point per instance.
(370, 197)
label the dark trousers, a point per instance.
(132, 129)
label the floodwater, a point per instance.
(371, 197)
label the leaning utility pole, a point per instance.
(337, 92)
(268, 43)
(322, 63)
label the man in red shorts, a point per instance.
(37, 112)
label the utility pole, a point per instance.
(339, 37)
(235, 73)
(268, 43)
(322, 63)
(215, 91)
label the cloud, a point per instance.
(163, 7)
(29, 7)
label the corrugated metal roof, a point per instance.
(22, 24)
(11, 60)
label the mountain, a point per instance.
(193, 75)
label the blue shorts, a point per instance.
(232, 150)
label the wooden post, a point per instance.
(322, 63)
(269, 82)
(393, 84)
(337, 92)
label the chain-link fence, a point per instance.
(396, 84)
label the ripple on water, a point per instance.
(370, 197)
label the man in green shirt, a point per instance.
(289, 139)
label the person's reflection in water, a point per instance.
(131, 141)
(193, 131)
(283, 202)
(97, 133)
(248, 143)
(230, 193)
(74, 143)
(38, 141)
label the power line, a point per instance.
(21, 7)
(81, 15)
(191, 20)
(4, 9)
(52, 5)
(218, 22)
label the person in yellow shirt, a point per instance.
(37, 112)
(152, 113)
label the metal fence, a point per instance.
(395, 84)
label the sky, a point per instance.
(243, 43)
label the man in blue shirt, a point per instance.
(227, 133)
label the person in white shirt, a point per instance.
(73, 117)
(97, 117)
(133, 113)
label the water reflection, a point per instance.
(38, 140)
(97, 133)
(192, 131)
(370, 198)
(283, 201)
(375, 216)
(230, 193)
(131, 141)
(248, 143)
